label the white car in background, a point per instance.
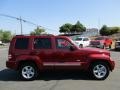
(2, 44)
(82, 41)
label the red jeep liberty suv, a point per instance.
(31, 54)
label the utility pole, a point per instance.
(21, 21)
(99, 25)
(21, 25)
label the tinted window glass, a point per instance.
(42, 43)
(85, 39)
(78, 39)
(62, 43)
(21, 43)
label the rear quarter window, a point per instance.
(21, 43)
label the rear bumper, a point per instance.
(117, 47)
(11, 65)
(98, 46)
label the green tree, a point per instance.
(38, 31)
(5, 36)
(105, 31)
(1, 34)
(78, 27)
(114, 30)
(66, 28)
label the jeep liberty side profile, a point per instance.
(31, 54)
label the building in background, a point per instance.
(90, 32)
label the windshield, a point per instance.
(78, 39)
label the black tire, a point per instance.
(81, 45)
(31, 74)
(94, 73)
(116, 49)
(103, 47)
(110, 46)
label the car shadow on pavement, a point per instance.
(10, 75)
(64, 75)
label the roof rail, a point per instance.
(36, 35)
(68, 34)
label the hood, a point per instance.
(91, 50)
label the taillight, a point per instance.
(9, 56)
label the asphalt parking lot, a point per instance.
(58, 81)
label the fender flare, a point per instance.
(99, 58)
(32, 58)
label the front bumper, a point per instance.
(112, 64)
(11, 65)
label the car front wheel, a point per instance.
(100, 71)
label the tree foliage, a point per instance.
(5, 36)
(105, 31)
(38, 31)
(66, 28)
(78, 27)
(69, 28)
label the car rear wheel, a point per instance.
(110, 46)
(100, 71)
(28, 71)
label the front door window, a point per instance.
(62, 44)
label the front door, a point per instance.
(66, 58)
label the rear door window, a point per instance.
(42, 43)
(22, 43)
(85, 39)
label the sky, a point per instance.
(54, 13)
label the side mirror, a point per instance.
(72, 48)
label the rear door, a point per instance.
(43, 47)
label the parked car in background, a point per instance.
(2, 44)
(82, 41)
(31, 54)
(101, 42)
(117, 44)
